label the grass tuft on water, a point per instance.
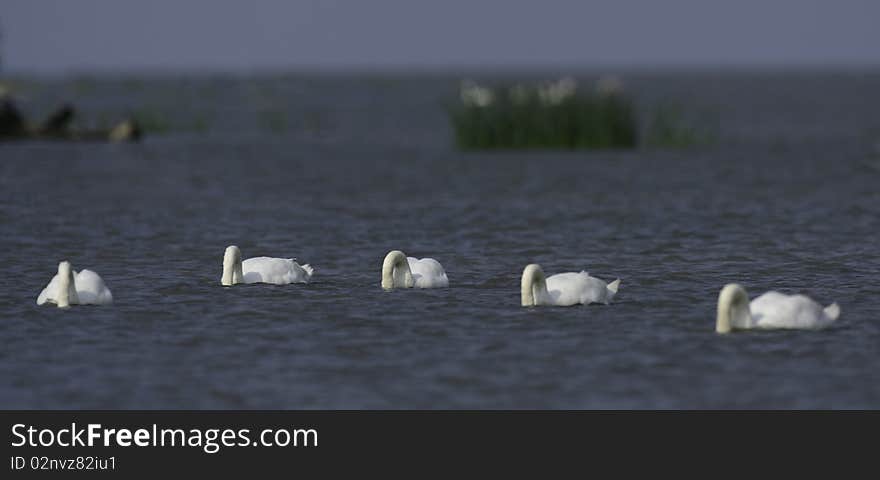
(273, 120)
(670, 128)
(155, 122)
(152, 121)
(557, 115)
(549, 116)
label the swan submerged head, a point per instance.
(532, 285)
(232, 272)
(733, 308)
(396, 272)
(66, 286)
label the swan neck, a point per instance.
(237, 274)
(394, 263)
(232, 270)
(532, 286)
(66, 286)
(733, 309)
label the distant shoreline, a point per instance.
(456, 70)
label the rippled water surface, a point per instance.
(352, 167)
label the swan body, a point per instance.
(564, 289)
(400, 271)
(69, 287)
(279, 271)
(771, 310)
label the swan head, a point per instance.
(232, 273)
(733, 308)
(532, 285)
(67, 286)
(395, 271)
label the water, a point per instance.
(787, 200)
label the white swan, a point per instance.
(68, 288)
(400, 271)
(770, 310)
(279, 271)
(563, 289)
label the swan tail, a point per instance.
(832, 311)
(613, 286)
(309, 270)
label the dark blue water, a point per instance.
(356, 166)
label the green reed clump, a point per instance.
(551, 116)
(152, 121)
(670, 128)
(156, 122)
(274, 121)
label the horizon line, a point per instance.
(456, 69)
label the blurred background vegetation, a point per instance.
(559, 115)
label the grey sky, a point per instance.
(82, 35)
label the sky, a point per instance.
(226, 35)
